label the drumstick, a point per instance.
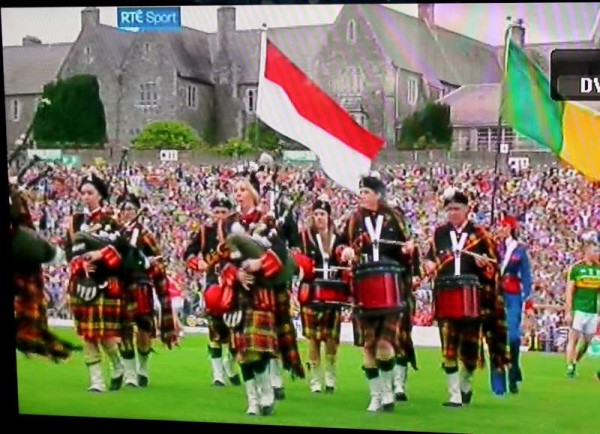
(391, 242)
(478, 256)
(333, 268)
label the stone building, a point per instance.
(380, 64)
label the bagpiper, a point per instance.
(202, 256)
(95, 288)
(144, 275)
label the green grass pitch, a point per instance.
(180, 390)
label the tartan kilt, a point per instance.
(140, 307)
(256, 334)
(321, 324)
(461, 340)
(218, 332)
(103, 317)
(33, 335)
(372, 329)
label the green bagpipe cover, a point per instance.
(251, 248)
(30, 249)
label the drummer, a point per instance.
(380, 336)
(319, 242)
(460, 248)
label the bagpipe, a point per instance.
(29, 249)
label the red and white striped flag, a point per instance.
(290, 103)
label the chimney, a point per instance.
(90, 17)
(31, 40)
(427, 13)
(518, 32)
(226, 20)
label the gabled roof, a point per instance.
(479, 105)
(437, 53)
(191, 53)
(474, 105)
(300, 44)
(28, 68)
(116, 42)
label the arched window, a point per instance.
(351, 31)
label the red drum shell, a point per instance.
(378, 287)
(327, 293)
(457, 297)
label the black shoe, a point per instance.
(235, 380)
(466, 397)
(401, 397)
(387, 407)
(513, 387)
(267, 411)
(329, 389)
(452, 405)
(279, 393)
(115, 384)
(142, 381)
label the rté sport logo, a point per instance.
(575, 75)
(160, 19)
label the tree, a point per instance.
(237, 148)
(168, 135)
(74, 116)
(262, 137)
(428, 128)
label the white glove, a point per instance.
(347, 254)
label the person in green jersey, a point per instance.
(583, 289)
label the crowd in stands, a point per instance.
(554, 206)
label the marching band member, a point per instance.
(95, 288)
(319, 242)
(381, 336)
(515, 280)
(33, 334)
(247, 290)
(199, 253)
(460, 248)
(146, 273)
(582, 302)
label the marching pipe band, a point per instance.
(249, 258)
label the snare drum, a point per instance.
(457, 297)
(323, 293)
(378, 288)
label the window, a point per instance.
(412, 90)
(483, 139)
(508, 136)
(191, 96)
(353, 80)
(15, 110)
(251, 100)
(147, 95)
(88, 54)
(351, 31)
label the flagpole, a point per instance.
(507, 35)
(261, 60)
